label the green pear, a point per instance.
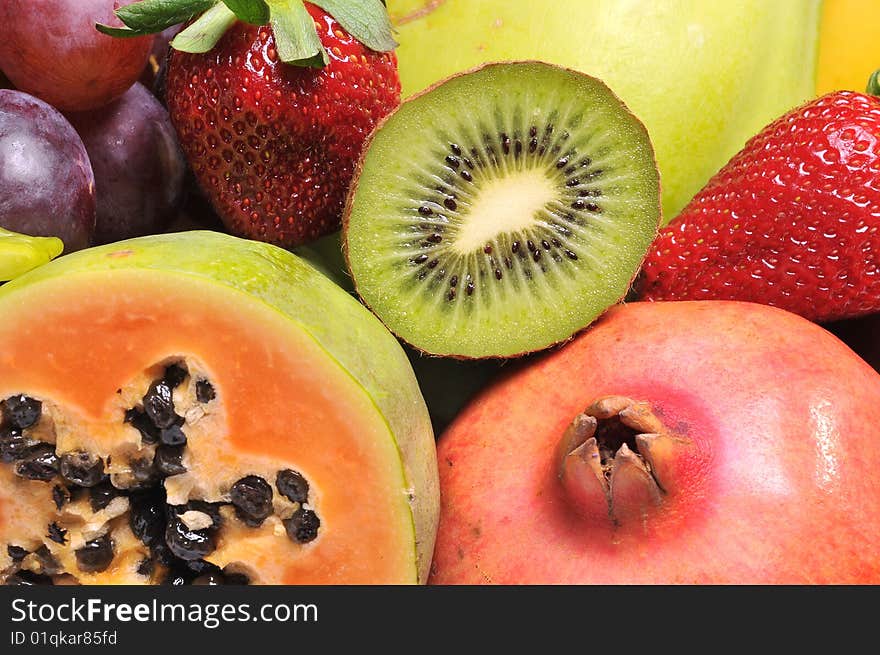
(703, 76)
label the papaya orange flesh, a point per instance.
(277, 370)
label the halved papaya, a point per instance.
(200, 408)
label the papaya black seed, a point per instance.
(82, 468)
(145, 567)
(139, 420)
(159, 404)
(185, 543)
(168, 460)
(252, 498)
(13, 444)
(96, 555)
(39, 463)
(140, 476)
(172, 436)
(60, 495)
(101, 494)
(175, 374)
(292, 485)
(27, 579)
(21, 411)
(17, 553)
(161, 553)
(200, 567)
(147, 518)
(205, 391)
(47, 561)
(302, 526)
(57, 534)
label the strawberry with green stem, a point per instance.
(272, 101)
(793, 220)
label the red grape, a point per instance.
(138, 165)
(158, 60)
(51, 49)
(46, 183)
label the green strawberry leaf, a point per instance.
(255, 12)
(367, 21)
(204, 33)
(296, 40)
(151, 16)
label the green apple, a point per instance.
(703, 75)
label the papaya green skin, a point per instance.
(774, 482)
(311, 302)
(702, 76)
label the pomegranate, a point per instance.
(688, 442)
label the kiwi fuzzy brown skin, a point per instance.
(358, 170)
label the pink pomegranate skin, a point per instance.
(775, 478)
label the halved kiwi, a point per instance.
(502, 210)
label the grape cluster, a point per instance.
(87, 153)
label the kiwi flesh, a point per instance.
(502, 210)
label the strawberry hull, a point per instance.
(273, 145)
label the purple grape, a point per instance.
(46, 183)
(138, 165)
(51, 49)
(154, 72)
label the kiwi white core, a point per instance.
(505, 204)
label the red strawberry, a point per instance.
(791, 221)
(273, 145)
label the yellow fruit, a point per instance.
(849, 50)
